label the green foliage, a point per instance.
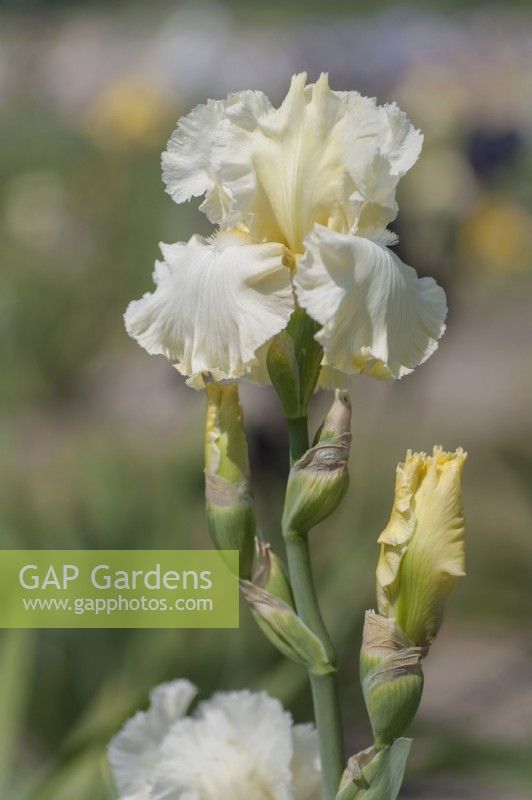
(16, 664)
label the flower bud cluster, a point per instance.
(317, 483)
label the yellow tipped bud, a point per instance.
(392, 678)
(230, 514)
(226, 448)
(319, 480)
(422, 547)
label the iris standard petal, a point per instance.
(326, 157)
(187, 163)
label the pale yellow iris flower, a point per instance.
(422, 547)
(301, 196)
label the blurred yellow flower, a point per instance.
(422, 547)
(129, 113)
(497, 237)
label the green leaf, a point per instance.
(16, 650)
(83, 777)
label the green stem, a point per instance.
(330, 734)
(298, 437)
(325, 694)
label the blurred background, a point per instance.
(101, 445)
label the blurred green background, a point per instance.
(101, 445)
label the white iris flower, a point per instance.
(302, 196)
(237, 746)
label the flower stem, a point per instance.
(298, 437)
(324, 687)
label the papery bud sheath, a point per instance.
(392, 678)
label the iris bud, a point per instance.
(318, 481)
(230, 513)
(269, 597)
(422, 547)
